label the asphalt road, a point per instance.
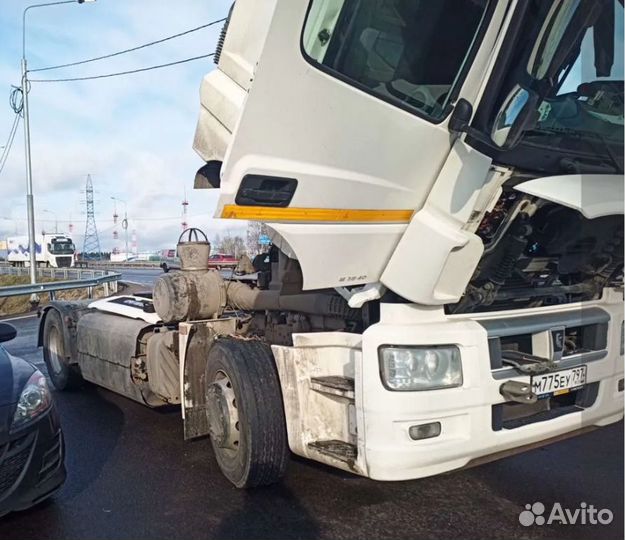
(147, 276)
(143, 276)
(131, 476)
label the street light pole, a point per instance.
(56, 219)
(30, 205)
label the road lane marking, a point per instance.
(19, 318)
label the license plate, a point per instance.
(559, 382)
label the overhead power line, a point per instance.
(110, 227)
(118, 53)
(119, 73)
(16, 99)
(7, 147)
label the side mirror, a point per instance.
(518, 114)
(7, 332)
(460, 117)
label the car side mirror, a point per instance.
(7, 332)
(518, 114)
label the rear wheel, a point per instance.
(246, 416)
(63, 375)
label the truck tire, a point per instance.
(64, 376)
(245, 410)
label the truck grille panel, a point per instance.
(516, 415)
(566, 340)
(584, 336)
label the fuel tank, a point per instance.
(111, 353)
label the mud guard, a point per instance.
(70, 312)
(195, 340)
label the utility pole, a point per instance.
(30, 205)
(124, 221)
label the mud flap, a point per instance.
(195, 340)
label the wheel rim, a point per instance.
(223, 415)
(54, 348)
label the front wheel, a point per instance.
(245, 412)
(64, 375)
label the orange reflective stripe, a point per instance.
(268, 213)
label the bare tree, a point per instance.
(255, 231)
(230, 245)
(216, 244)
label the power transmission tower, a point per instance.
(91, 243)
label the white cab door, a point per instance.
(349, 107)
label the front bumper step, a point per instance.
(340, 450)
(334, 386)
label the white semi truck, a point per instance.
(443, 183)
(51, 250)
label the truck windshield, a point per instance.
(61, 248)
(571, 55)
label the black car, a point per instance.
(31, 442)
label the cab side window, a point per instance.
(408, 52)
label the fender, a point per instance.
(70, 312)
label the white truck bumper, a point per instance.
(473, 416)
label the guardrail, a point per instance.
(108, 280)
(145, 264)
(131, 264)
(55, 273)
(110, 264)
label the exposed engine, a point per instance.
(536, 253)
(274, 306)
(539, 253)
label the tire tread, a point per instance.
(262, 393)
(71, 379)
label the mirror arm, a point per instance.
(480, 137)
(460, 120)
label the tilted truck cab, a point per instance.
(443, 186)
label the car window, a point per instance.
(410, 52)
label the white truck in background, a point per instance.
(443, 183)
(52, 250)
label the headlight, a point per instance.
(420, 368)
(35, 399)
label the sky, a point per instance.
(132, 134)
